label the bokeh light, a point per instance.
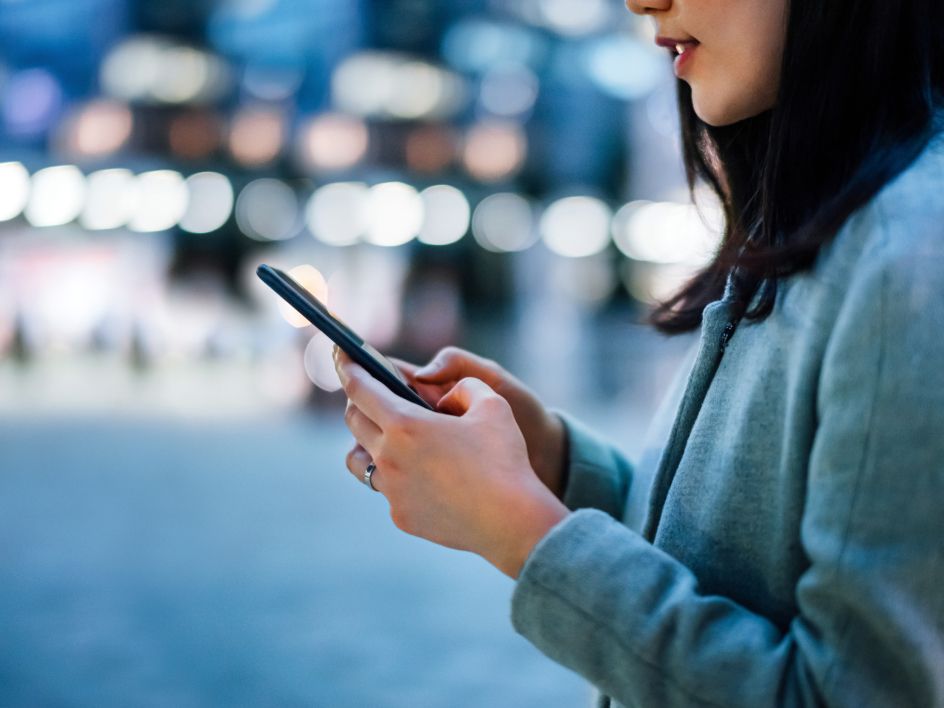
(571, 18)
(151, 69)
(57, 196)
(447, 215)
(431, 148)
(504, 222)
(132, 67)
(98, 129)
(667, 232)
(210, 203)
(509, 91)
(476, 45)
(576, 227)
(333, 142)
(494, 151)
(14, 189)
(393, 214)
(319, 363)
(195, 134)
(336, 213)
(256, 136)
(162, 201)
(314, 282)
(111, 199)
(395, 86)
(267, 209)
(32, 100)
(624, 67)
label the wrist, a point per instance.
(542, 514)
(555, 455)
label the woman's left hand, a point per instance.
(459, 477)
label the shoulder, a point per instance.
(897, 237)
(876, 293)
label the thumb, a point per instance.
(465, 395)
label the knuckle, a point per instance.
(349, 412)
(401, 426)
(494, 368)
(352, 387)
(495, 404)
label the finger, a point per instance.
(452, 364)
(469, 393)
(429, 392)
(374, 400)
(356, 462)
(365, 431)
(406, 368)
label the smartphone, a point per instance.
(376, 364)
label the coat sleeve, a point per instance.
(598, 475)
(598, 598)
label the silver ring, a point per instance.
(368, 473)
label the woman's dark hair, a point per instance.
(861, 81)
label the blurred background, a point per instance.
(176, 523)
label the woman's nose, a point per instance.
(646, 7)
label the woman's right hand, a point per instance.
(543, 431)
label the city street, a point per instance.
(223, 556)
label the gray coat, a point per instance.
(792, 552)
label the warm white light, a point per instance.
(99, 129)
(576, 226)
(162, 201)
(363, 84)
(447, 215)
(210, 203)
(267, 210)
(494, 151)
(389, 85)
(314, 282)
(14, 189)
(394, 214)
(129, 70)
(57, 196)
(336, 213)
(111, 199)
(153, 69)
(333, 142)
(256, 136)
(666, 232)
(504, 222)
(185, 73)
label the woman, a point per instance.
(793, 552)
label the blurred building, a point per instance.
(430, 160)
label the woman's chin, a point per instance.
(720, 114)
(715, 116)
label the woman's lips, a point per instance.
(685, 51)
(681, 48)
